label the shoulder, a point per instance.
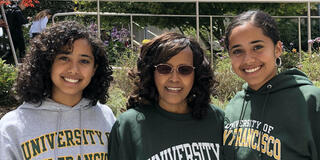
(216, 113)
(239, 97)
(216, 110)
(106, 111)
(132, 114)
(133, 117)
(312, 96)
(12, 121)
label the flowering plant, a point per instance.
(27, 3)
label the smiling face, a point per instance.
(71, 73)
(173, 88)
(253, 55)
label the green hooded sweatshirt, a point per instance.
(281, 120)
(152, 133)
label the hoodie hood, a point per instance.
(274, 119)
(287, 79)
(50, 105)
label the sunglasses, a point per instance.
(181, 69)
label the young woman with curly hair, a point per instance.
(169, 114)
(61, 83)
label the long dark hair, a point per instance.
(160, 50)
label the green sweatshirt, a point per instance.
(279, 121)
(151, 133)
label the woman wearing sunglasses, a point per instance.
(169, 114)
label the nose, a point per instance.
(73, 68)
(174, 75)
(249, 58)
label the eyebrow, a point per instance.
(85, 55)
(256, 41)
(253, 42)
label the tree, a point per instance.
(185, 24)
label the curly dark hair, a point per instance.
(160, 50)
(34, 83)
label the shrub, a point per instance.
(229, 82)
(122, 86)
(117, 100)
(290, 59)
(317, 83)
(8, 74)
(311, 66)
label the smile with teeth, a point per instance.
(71, 80)
(252, 69)
(173, 89)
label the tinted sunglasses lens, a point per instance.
(164, 69)
(185, 70)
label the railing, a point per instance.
(191, 16)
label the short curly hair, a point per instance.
(160, 50)
(34, 83)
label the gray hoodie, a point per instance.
(54, 131)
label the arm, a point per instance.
(2, 23)
(315, 119)
(113, 144)
(314, 115)
(8, 151)
(120, 146)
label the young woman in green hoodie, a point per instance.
(276, 115)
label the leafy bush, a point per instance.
(311, 66)
(8, 74)
(229, 82)
(317, 83)
(122, 86)
(290, 59)
(117, 100)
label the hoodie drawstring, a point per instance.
(81, 131)
(269, 86)
(242, 114)
(57, 129)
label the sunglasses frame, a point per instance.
(172, 68)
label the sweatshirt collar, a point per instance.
(287, 79)
(50, 105)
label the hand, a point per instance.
(29, 18)
(2, 23)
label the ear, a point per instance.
(278, 49)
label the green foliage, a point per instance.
(125, 63)
(229, 82)
(290, 59)
(317, 83)
(116, 50)
(185, 23)
(219, 103)
(117, 100)
(311, 66)
(122, 85)
(8, 74)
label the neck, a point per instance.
(179, 109)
